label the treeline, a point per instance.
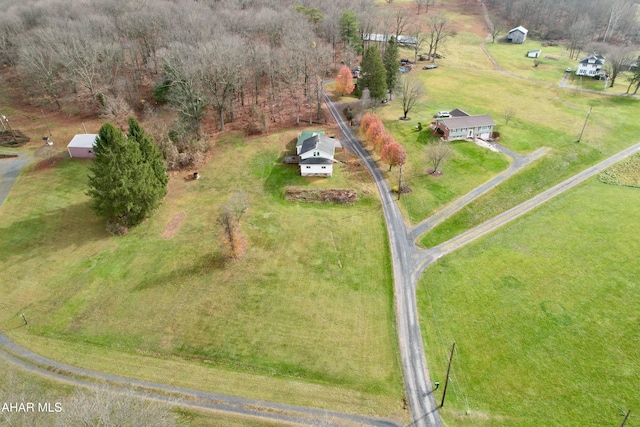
(613, 21)
(215, 58)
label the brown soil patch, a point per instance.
(174, 224)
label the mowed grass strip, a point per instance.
(544, 315)
(311, 300)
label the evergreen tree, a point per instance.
(390, 61)
(374, 75)
(349, 29)
(123, 184)
(151, 155)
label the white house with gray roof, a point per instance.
(316, 153)
(590, 66)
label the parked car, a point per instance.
(568, 70)
(430, 67)
(443, 115)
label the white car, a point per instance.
(443, 115)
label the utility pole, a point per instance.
(446, 380)
(585, 124)
(400, 183)
(45, 123)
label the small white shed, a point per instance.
(81, 146)
(534, 53)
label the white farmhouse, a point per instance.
(590, 66)
(316, 153)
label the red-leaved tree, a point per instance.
(344, 82)
(366, 120)
(394, 154)
(374, 131)
(381, 141)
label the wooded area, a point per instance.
(259, 61)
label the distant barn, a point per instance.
(81, 146)
(517, 35)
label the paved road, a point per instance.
(404, 255)
(9, 170)
(283, 414)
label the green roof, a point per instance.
(306, 135)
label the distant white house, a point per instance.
(590, 66)
(316, 153)
(517, 35)
(81, 146)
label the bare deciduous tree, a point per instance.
(438, 152)
(438, 31)
(41, 65)
(411, 89)
(185, 88)
(509, 113)
(232, 243)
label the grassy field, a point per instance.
(544, 315)
(307, 312)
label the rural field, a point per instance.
(543, 312)
(305, 317)
(544, 315)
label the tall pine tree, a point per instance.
(150, 154)
(373, 74)
(390, 61)
(126, 184)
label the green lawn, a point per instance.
(307, 312)
(544, 315)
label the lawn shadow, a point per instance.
(53, 231)
(199, 266)
(282, 175)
